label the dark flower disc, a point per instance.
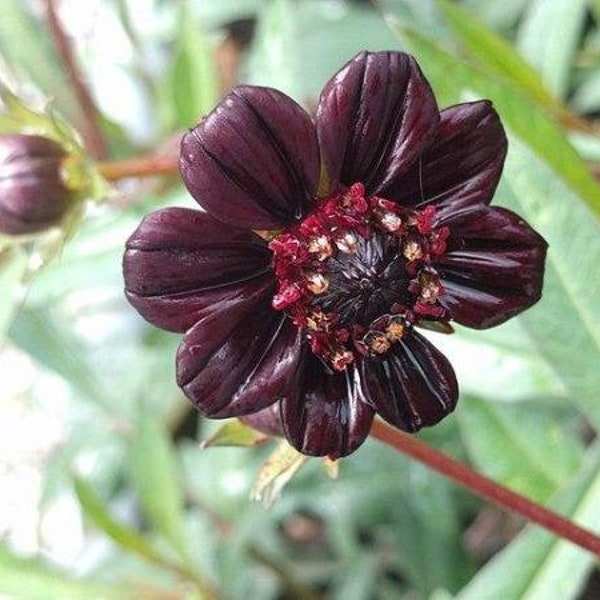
(325, 246)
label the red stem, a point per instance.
(485, 487)
(145, 166)
(91, 130)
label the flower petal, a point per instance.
(375, 117)
(494, 269)
(237, 362)
(254, 161)
(462, 166)
(413, 386)
(323, 414)
(267, 420)
(180, 264)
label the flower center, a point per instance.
(355, 274)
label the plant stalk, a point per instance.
(486, 488)
(91, 130)
(143, 166)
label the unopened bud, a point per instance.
(33, 193)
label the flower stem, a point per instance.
(91, 130)
(144, 166)
(485, 487)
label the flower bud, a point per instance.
(33, 193)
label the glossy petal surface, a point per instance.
(254, 161)
(375, 117)
(267, 420)
(235, 362)
(325, 414)
(33, 194)
(414, 386)
(463, 164)
(181, 264)
(495, 268)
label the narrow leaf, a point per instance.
(276, 56)
(235, 433)
(156, 478)
(496, 54)
(30, 579)
(124, 536)
(548, 39)
(56, 349)
(33, 55)
(276, 472)
(539, 565)
(520, 445)
(452, 78)
(192, 79)
(13, 266)
(564, 325)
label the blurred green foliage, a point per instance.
(177, 522)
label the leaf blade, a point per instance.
(496, 54)
(30, 579)
(124, 536)
(452, 76)
(155, 476)
(548, 38)
(538, 565)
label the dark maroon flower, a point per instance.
(373, 221)
(33, 194)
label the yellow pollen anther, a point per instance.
(412, 250)
(430, 289)
(321, 246)
(390, 221)
(395, 331)
(316, 321)
(317, 283)
(377, 342)
(346, 243)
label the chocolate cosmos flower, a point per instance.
(324, 246)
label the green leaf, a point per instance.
(410, 510)
(300, 45)
(13, 266)
(502, 16)
(235, 433)
(276, 473)
(276, 55)
(521, 445)
(30, 579)
(156, 478)
(33, 55)
(124, 536)
(548, 39)
(366, 568)
(504, 353)
(586, 99)
(35, 332)
(538, 565)
(564, 325)
(192, 84)
(496, 54)
(216, 14)
(452, 78)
